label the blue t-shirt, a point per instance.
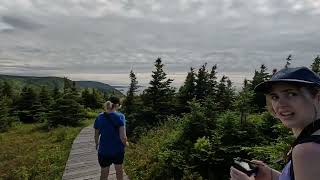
(110, 143)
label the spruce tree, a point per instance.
(316, 65)
(56, 93)
(6, 89)
(65, 111)
(45, 101)
(159, 95)
(187, 90)
(86, 98)
(129, 101)
(259, 99)
(213, 81)
(44, 97)
(28, 104)
(67, 85)
(202, 83)
(97, 99)
(5, 121)
(243, 101)
(225, 94)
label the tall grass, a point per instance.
(29, 151)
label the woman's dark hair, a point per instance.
(114, 100)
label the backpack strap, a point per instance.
(313, 138)
(107, 116)
(304, 135)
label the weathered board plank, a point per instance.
(82, 163)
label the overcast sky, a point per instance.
(104, 39)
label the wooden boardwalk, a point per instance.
(83, 160)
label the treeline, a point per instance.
(196, 131)
(52, 107)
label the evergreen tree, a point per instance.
(27, 104)
(86, 98)
(316, 65)
(67, 85)
(4, 113)
(225, 94)
(129, 101)
(45, 97)
(259, 76)
(56, 93)
(74, 88)
(246, 84)
(65, 111)
(243, 101)
(105, 96)
(97, 98)
(187, 90)
(288, 61)
(92, 100)
(202, 83)
(213, 80)
(7, 89)
(159, 95)
(259, 99)
(45, 100)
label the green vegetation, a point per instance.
(38, 126)
(196, 132)
(29, 151)
(192, 133)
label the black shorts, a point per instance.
(105, 161)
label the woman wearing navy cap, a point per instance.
(293, 96)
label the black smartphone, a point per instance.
(245, 166)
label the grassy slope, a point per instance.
(29, 152)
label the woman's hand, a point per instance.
(238, 175)
(264, 171)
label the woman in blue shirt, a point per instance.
(110, 138)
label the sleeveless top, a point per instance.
(304, 137)
(286, 172)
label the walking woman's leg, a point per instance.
(104, 173)
(119, 171)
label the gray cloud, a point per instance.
(20, 23)
(113, 36)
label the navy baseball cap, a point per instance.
(299, 75)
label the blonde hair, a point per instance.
(108, 105)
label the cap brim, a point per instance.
(267, 85)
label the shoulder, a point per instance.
(118, 114)
(100, 116)
(306, 159)
(306, 149)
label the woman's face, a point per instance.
(294, 106)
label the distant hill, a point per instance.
(98, 85)
(52, 82)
